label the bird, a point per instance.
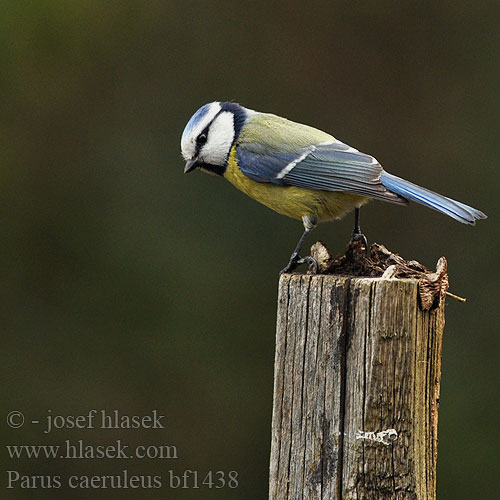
(298, 170)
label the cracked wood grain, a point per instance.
(356, 390)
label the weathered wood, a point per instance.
(356, 390)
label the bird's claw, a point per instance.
(296, 260)
(292, 264)
(359, 237)
(311, 261)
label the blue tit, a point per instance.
(297, 170)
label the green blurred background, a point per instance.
(127, 285)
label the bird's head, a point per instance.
(210, 134)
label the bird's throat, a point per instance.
(212, 169)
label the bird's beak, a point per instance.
(190, 165)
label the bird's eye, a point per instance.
(202, 138)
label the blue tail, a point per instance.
(459, 211)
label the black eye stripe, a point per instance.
(239, 117)
(202, 138)
(204, 133)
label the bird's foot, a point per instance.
(296, 260)
(359, 236)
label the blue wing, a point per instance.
(329, 166)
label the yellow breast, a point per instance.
(290, 200)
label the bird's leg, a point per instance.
(295, 258)
(357, 235)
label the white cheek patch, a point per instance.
(194, 128)
(220, 139)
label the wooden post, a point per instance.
(356, 390)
